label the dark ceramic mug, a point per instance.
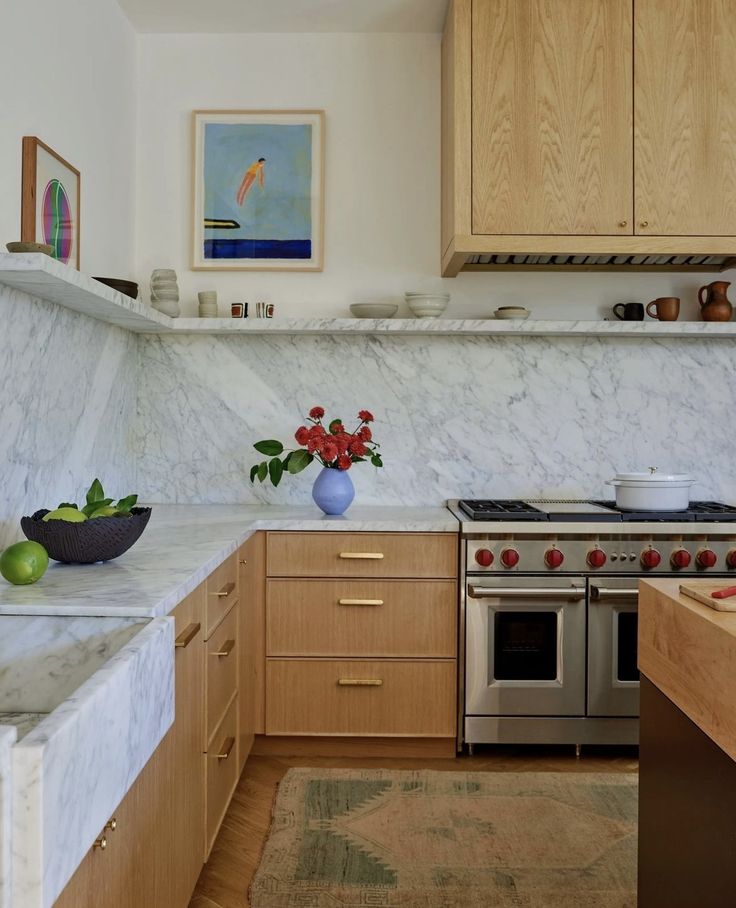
(632, 312)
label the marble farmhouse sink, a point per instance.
(89, 699)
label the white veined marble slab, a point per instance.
(7, 739)
(180, 548)
(71, 771)
(45, 278)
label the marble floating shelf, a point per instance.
(45, 278)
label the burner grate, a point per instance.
(501, 509)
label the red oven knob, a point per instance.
(596, 558)
(680, 559)
(484, 557)
(706, 558)
(650, 558)
(731, 558)
(509, 558)
(553, 558)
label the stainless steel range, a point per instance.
(549, 611)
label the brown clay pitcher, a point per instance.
(716, 306)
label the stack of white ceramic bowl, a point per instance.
(165, 291)
(427, 305)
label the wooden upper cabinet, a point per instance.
(552, 113)
(685, 127)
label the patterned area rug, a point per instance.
(385, 839)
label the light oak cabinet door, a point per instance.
(552, 116)
(251, 639)
(685, 129)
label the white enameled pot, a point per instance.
(652, 491)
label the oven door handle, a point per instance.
(486, 592)
(602, 592)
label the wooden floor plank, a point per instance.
(226, 877)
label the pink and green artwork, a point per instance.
(258, 190)
(58, 220)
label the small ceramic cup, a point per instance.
(664, 308)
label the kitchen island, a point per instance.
(687, 800)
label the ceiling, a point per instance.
(226, 16)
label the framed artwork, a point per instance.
(258, 190)
(50, 201)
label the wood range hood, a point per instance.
(588, 137)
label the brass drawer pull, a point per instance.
(360, 682)
(112, 824)
(187, 635)
(101, 843)
(227, 648)
(225, 750)
(360, 601)
(243, 561)
(376, 556)
(225, 591)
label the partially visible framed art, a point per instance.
(50, 201)
(258, 194)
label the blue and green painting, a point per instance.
(257, 191)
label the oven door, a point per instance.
(613, 624)
(525, 647)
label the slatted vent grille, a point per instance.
(608, 261)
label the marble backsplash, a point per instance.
(67, 407)
(471, 416)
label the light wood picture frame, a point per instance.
(258, 190)
(51, 191)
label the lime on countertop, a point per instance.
(24, 562)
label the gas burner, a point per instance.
(702, 511)
(501, 509)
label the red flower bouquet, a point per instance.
(333, 446)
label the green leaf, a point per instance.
(335, 426)
(96, 505)
(376, 460)
(275, 471)
(262, 470)
(96, 492)
(270, 447)
(125, 504)
(285, 461)
(299, 461)
(253, 472)
(68, 504)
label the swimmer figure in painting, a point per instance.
(255, 171)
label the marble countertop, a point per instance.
(181, 546)
(688, 651)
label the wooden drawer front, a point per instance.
(362, 618)
(222, 770)
(222, 669)
(222, 591)
(362, 555)
(318, 697)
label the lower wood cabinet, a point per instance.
(252, 645)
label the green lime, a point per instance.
(108, 511)
(71, 515)
(24, 562)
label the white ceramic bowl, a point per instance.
(373, 310)
(512, 312)
(427, 305)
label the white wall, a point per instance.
(381, 94)
(67, 72)
(67, 382)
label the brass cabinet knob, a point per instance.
(243, 561)
(101, 843)
(112, 824)
(622, 223)
(643, 223)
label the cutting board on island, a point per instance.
(701, 590)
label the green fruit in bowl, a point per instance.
(107, 511)
(71, 515)
(24, 562)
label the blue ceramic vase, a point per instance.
(333, 491)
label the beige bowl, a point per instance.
(45, 248)
(373, 310)
(512, 312)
